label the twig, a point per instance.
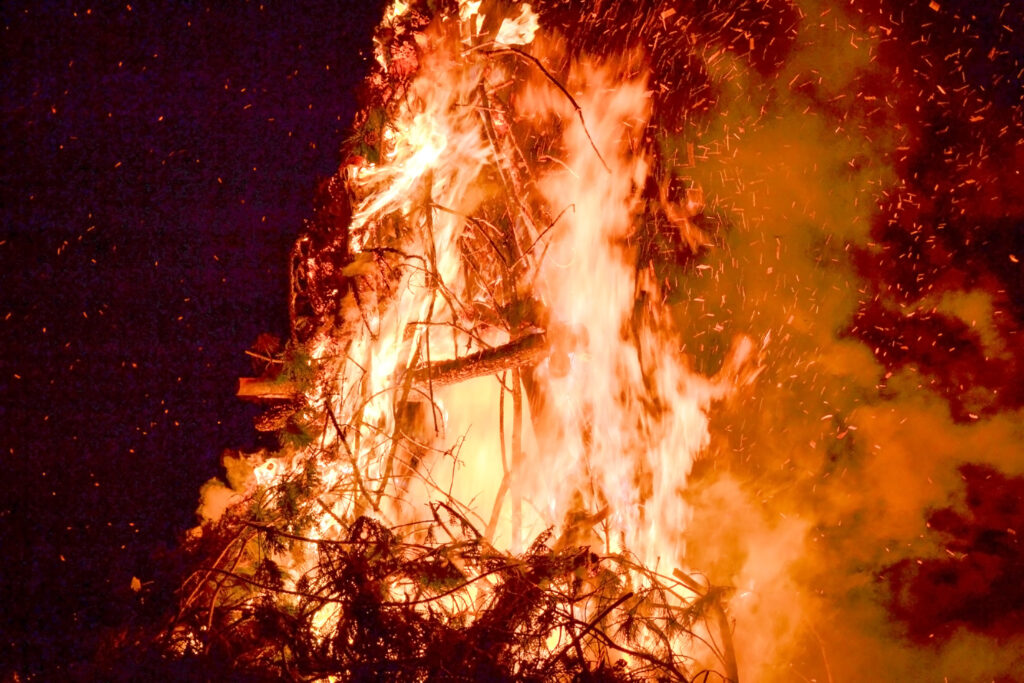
(202, 582)
(544, 232)
(271, 530)
(579, 110)
(511, 183)
(403, 397)
(462, 586)
(490, 240)
(434, 279)
(587, 629)
(517, 451)
(480, 222)
(729, 652)
(351, 456)
(272, 589)
(328, 510)
(459, 516)
(499, 498)
(660, 663)
(216, 592)
(260, 356)
(452, 325)
(483, 282)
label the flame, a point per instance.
(519, 30)
(460, 244)
(614, 412)
(627, 415)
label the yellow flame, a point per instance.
(608, 433)
(520, 30)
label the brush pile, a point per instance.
(348, 554)
(381, 606)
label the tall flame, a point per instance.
(597, 437)
(489, 336)
(616, 412)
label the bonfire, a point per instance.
(485, 415)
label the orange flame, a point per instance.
(602, 434)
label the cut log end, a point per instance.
(261, 389)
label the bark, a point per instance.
(527, 350)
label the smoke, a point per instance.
(823, 476)
(217, 495)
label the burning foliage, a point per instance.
(404, 605)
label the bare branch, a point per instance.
(526, 350)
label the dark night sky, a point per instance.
(158, 161)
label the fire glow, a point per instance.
(488, 366)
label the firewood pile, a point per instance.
(343, 555)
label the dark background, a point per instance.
(158, 160)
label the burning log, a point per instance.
(527, 350)
(260, 389)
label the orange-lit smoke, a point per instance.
(825, 475)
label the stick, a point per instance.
(511, 184)
(517, 453)
(434, 278)
(588, 628)
(266, 390)
(499, 498)
(351, 457)
(729, 652)
(526, 350)
(579, 110)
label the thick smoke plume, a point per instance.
(830, 473)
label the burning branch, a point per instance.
(579, 110)
(527, 350)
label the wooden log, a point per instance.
(526, 350)
(262, 389)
